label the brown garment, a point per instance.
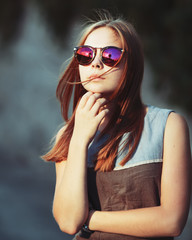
(129, 188)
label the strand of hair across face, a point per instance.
(89, 80)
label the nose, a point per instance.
(97, 63)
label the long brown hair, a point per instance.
(128, 116)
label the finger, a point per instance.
(91, 101)
(97, 95)
(102, 114)
(98, 105)
(84, 99)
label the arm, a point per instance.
(169, 218)
(70, 205)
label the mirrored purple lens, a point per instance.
(84, 55)
(111, 56)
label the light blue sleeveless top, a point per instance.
(150, 147)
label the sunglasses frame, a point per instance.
(95, 53)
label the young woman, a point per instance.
(122, 168)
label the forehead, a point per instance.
(102, 37)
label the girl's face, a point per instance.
(107, 83)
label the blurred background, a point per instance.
(36, 37)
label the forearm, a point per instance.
(70, 205)
(144, 222)
(170, 217)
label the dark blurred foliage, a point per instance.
(164, 26)
(11, 19)
(59, 16)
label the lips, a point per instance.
(95, 76)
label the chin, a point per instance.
(97, 88)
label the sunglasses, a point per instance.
(110, 55)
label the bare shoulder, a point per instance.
(177, 123)
(59, 166)
(176, 137)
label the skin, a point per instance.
(169, 218)
(106, 84)
(70, 206)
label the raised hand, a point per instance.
(89, 114)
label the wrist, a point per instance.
(78, 141)
(90, 220)
(86, 224)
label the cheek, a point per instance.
(118, 76)
(82, 72)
